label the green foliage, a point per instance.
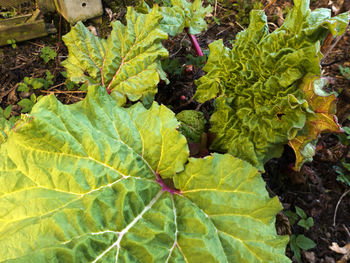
(197, 61)
(243, 7)
(27, 104)
(180, 14)
(87, 182)
(305, 222)
(127, 63)
(12, 42)
(343, 173)
(265, 87)
(298, 242)
(8, 14)
(345, 71)
(191, 124)
(30, 84)
(48, 54)
(6, 113)
(172, 66)
(36, 83)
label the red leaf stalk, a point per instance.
(195, 44)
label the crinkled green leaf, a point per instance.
(194, 14)
(81, 184)
(127, 63)
(261, 104)
(181, 14)
(191, 124)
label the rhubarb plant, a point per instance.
(267, 89)
(95, 182)
(127, 64)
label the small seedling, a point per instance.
(298, 242)
(345, 71)
(27, 104)
(12, 42)
(48, 54)
(36, 83)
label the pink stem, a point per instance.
(165, 187)
(195, 44)
(108, 91)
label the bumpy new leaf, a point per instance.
(81, 183)
(261, 104)
(181, 14)
(127, 63)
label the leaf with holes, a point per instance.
(127, 63)
(94, 182)
(261, 105)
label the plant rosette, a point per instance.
(94, 182)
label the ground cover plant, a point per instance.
(107, 179)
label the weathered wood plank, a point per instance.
(22, 32)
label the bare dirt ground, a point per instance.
(314, 189)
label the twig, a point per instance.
(269, 4)
(177, 51)
(240, 25)
(325, 44)
(58, 85)
(5, 93)
(36, 44)
(222, 31)
(215, 6)
(64, 91)
(346, 229)
(336, 208)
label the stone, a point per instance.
(79, 10)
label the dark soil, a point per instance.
(314, 189)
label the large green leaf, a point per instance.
(261, 104)
(127, 63)
(85, 183)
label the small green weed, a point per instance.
(300, 242)
(6, 114)
(12, 42)
(8, 14)
(27, 104)
(29, 84)
(48, 54)
(345, 71)
(70, 84)
(36, 83)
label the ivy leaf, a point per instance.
(260, 104)
(127, 63)
(86, 182)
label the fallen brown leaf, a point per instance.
(345, 250)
